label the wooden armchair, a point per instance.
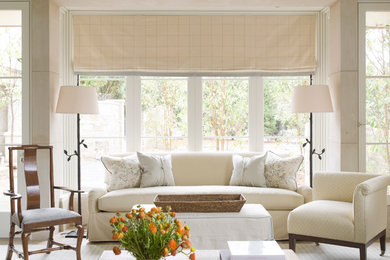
(35, 218)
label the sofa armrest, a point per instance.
(306, 192)
(339, 186)
(370, 208)
(93, 196)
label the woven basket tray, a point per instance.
(201, 202)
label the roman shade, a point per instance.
(194, 43)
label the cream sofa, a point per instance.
(194, 173)
(348, 209)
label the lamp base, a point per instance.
(74, 233)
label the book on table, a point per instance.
(250, 250)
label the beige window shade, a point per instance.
(194, 43)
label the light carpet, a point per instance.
(305, 250)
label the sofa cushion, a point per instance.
(248, 171)
(323, 218)
(270, 198)
(122, 172)
(156, 170)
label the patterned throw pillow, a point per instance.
(282, 172)
(156, 170)
(248, 171)
(124, 172)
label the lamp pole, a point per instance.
(311, 140)
(78, 155)
(78, 163)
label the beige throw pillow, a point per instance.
(156, 170)
(124, 172)
(248, 171)
(282, 172)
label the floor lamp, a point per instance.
(312, 99)
(77, 100)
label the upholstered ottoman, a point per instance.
(212, 230)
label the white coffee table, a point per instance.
(212, 230)
(200, 255)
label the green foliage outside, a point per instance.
(278, 118)
(164, 114)
(377, 100)
(10, 66)
(225, 112)
(106, 87)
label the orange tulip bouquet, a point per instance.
(151, 235)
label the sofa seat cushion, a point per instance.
(323, 218)
(270, 198)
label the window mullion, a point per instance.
(194, 113)
(256, 114)
(133, 113)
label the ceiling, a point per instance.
(196, 5)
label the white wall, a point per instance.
(343, 78)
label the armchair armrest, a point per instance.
(306, 192)
(15, 196)
(370, 207)
(93, 195)
(339, 186)
(71, 197)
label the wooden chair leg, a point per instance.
(11, 241)
(291, 242)
(50, 240)
(382, 240)
(363, 252)
(80, 236)
(25, 244)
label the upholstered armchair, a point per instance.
(348, 209)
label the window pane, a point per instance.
(225, 114)
(11, 45)
(103, 133)
(163, 114)
(377, 159)
(377, 92)
(377, 110)
(377, 51)
(284, 131)
(10, 94)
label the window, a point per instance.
(104, 133)
(377, 91)
(225, 114)
(163, 114)
(222, 117)
(11, 84)
(284, 131)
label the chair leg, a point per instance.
(25, 244)
(363, 252)
(382, 240)
(11, 241)
(80, 236)
(50, 240)
(291, 242)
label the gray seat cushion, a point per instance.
(32, 216)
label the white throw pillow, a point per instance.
(156, 170)
(281, 172)
(248, 171)
(124, 172)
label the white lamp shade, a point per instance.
(311, 99)
(77, 100)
